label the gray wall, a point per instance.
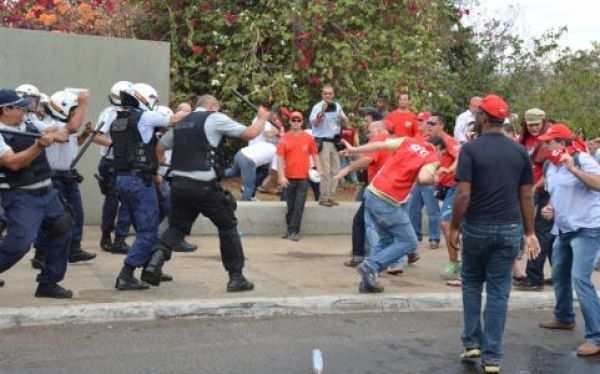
(53, 61)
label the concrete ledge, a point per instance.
(268, 218)
(251, 307)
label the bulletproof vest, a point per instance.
(37, 171)
(191, 148)
(129, 150)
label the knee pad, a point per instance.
(60, 226)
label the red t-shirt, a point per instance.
(447, 159)
(379, 158)
(402, 123)
(348, 134)
(296, 150)
(538, 168)
(397, 177)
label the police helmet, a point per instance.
(61, 103)
(146, 95)
(115, 91)
(27, 90)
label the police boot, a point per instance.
(126, 281)
(53, 291)
(152, 273)
(76, 254)
(1, 283)
(185, 247)
(39, 261)
(239, 283)
(119, 246)
(106, 242)
(166, 277)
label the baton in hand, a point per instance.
(249, 103)
(21, 133)
(86, 145)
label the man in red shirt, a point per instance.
(402, 122)
(294, 151)
(372, 162)
(533, 126)
(385, 203)
(447, 149)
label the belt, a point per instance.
(36, 191)
(332, 140)
(183, 181)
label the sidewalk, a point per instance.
(302, 277)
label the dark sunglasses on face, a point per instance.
(432, 123)
(295, 120)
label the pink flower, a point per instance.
(304, 64)
(196, 49)
(206, 5)
(230, 18)
(315, 81)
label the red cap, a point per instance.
(557, 131)
(296, 115)
(285, 111)
(423, 116)
(494, 106)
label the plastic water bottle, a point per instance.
(317, 358)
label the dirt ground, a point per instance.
(347, 192)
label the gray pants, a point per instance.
(330, 164)
(296, 199)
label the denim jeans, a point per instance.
(543, 228)
(573, 260)
(488, 255)
(245, 167)
(112, 209)
(296, 199)
(390, 224)
(446, 211)
(422, 195)
(345, 161)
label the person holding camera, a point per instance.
(326, 118)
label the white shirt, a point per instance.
(40, 126)
(60, 155)
(260, 153)
(461, 128)
(261, 137)
(107, 117)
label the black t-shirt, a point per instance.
(496, 167)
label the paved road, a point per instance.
(374, 343)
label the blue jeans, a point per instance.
(391, 225)
(26, 214)
(422, 195)
(573, 259)
(488, 255)
(543, 232)
(345, 161)
(112, 209)
(446, 212)
(245, 167)
(139, 198)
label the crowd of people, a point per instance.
(493, 195)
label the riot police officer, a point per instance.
(107, 177)
(197, 166)
(134, 140)
(67, 112)
(28, 198)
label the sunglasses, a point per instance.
(295, 120)
(432, 123)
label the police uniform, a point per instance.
(107, 180)
(197, 166)
(66, 182)
(31, 203)
(133, 143)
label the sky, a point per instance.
(536, 16)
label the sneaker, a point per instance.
(325, 203)
(294, 237)
(351, 263)
(557, 325)
(451, 271)
(470, 354)
(285, 236)
(239, 283)
(588, 349)
(413, 257)
(527, 285)
(370, 280)
(53, 291)
(434, 244)
(395, 270)
(491, 369)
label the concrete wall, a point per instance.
(53, 61)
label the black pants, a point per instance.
(358, 228)
(190, 198)
(535, 268)
(296, 199)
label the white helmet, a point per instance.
(44, 98)
(115, 91)
(61, 103)
(163, 109)
(146, 95)
(27, 90)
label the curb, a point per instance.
(251, 307)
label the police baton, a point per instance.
(249, 103)
(86, 145)
(21, 133)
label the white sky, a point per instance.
(536, 16)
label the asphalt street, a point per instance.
(351, 343)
